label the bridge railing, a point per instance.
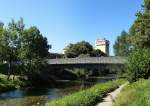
(88, 60)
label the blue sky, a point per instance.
(70, 21)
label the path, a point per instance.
(110, 98)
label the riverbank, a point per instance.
(110, 98)
(88, 97)
(6, 85)
(135, 94)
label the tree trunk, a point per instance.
(9, 70)
(13, 76)
(10, 67)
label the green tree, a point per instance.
(140, 30)
(141, 37)
(8, 48)
(34, 48)
(138, 65)
(97, 53)
(146, 5)
(27, 47)
(122, 45)
(74, 50)
(1, 44)
(15, 30)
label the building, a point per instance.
(103, 45)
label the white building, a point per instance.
(103, 45)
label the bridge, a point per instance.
(88, 60)
(99, 64)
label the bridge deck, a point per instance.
(88, 60)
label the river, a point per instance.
(39, 96)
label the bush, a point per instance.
(4, 68)
(10, 84)
(138, 65)
(87, 97)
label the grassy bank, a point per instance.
(136, 94)
(10, 84)
(87, 97)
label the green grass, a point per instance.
(135, 94)
(89, 96)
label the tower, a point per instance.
(103, 45)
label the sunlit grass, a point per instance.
(136, 94)
(87, 97)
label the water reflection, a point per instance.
(29, 97)
(39, 96)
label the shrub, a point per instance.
(10, 84)
(138, 65)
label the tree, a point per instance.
(15, 30)
(97, 53)
(122, 44)
(146, 5)
(34, 48)
(23, 47)
(74, 50)
(8, 48)
(1, 44)
(138, 65)
(84, 47)
(141, 37)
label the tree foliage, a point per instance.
(97, 53)
(74, 50)
(25, 47)
(138, 64)
(141, 36)
(9, 46)
(34, 48)
(146, 5)
(81, 49)
(122, 45)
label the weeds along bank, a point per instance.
(88, 97)
(135, 94)
(10, 84)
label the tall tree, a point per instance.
(34, 47)
(122, 44)
(146, 5)
(138, 64)
(1, 44)
(14, 34)
(141, 38)
(8, 46)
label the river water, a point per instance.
(39, 96)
